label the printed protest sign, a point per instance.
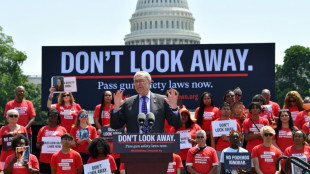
(63, 84)
(184, 137)
(235, 161)
(99, 167)
(51, 144)
(223, 127)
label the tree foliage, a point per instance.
(11, 76)
(294, 74)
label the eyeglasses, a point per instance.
(66, 95)
(284, 115)
(292, 101)
(200, 137)
(84, 116)
(268, 134)
(238, 95)
(13, 116)
(230, 96)
(284, 110)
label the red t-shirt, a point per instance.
(173, 166)
(284, 138)
(306, 128)
(267, 157)
(208, 116)
(221, 144)
(47, 131)
(292, 151)
(5, 131)
(249, 126)
(167, 126)
(20, 169)
(25, 110)
(66, 163)
(105, 115)
(301, 118)
(108, 157)
(192, 130)
(294, 111)
(265, 113)
(68, 115)
(203, 161)
(121, 167)
(275, 108)
(82, 147)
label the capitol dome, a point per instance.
(162, 22)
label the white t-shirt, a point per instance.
(231, 150)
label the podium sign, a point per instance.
(235, 161)
(146, 143)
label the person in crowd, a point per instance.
(284, 131)
(252, 126)
(66, 106)
(237, 113)
(265, 155)
(303, 116)
(12, 166)
(84, 133)
(229, 97)
(275, 106)
(266, 110)
(180, 106)
(99, 149)
(70, 159)
(300, 147)
(126, 111)
(294, 103)
(238, 94)
(9, 130)
(59, 86)
(222, 142)
(201, 158)
(53, 129)
(25, 110)
(206, 113)
(176, 165)
(235, 138)
(188, 126)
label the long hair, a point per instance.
(55, 111)
(296, 96)
(77, 121)
(92, 147)
(290, 123)
(102, 104)
(61, 98)
(202, 107)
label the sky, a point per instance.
(37, 23)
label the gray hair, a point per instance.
(238, 90)
(144, 73)
(266, 91)
(201, 131)
(12, 111)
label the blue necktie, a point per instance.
(144, 110)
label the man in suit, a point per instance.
(126, 111)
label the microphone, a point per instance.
(141, 120)
(150, 119)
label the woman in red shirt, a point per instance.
(51, 130)
(99, 149)
(294, 103)
(284, 129)
(188, 126)
(83, 133)
(67, 108)
(206, 113)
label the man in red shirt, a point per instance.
(275, 106)
(66, 160)
(25, 109)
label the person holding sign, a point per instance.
(84, 133)
(126, 111)
(66, 106)
(66, 160)
(235, 139)
(220, 142)
(206, 113)
(201, 158)
(187, 133)
(52, 144)
(265, 155)
(29, 166)
(252, 126)
(99, 149)
(300, 147)
(284, 131)
(7, 132)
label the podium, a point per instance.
(146, 153)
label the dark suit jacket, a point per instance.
(128, 114)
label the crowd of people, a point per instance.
(265, 130)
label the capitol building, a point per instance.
(162, 22)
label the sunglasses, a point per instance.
(66, 95)
(238, 95)
(84, 116)
(230, 95)
(13, 116)
(200, 137)
(292, 101)
(268, 134)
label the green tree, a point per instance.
(294, 74)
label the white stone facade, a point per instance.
(162, 22)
